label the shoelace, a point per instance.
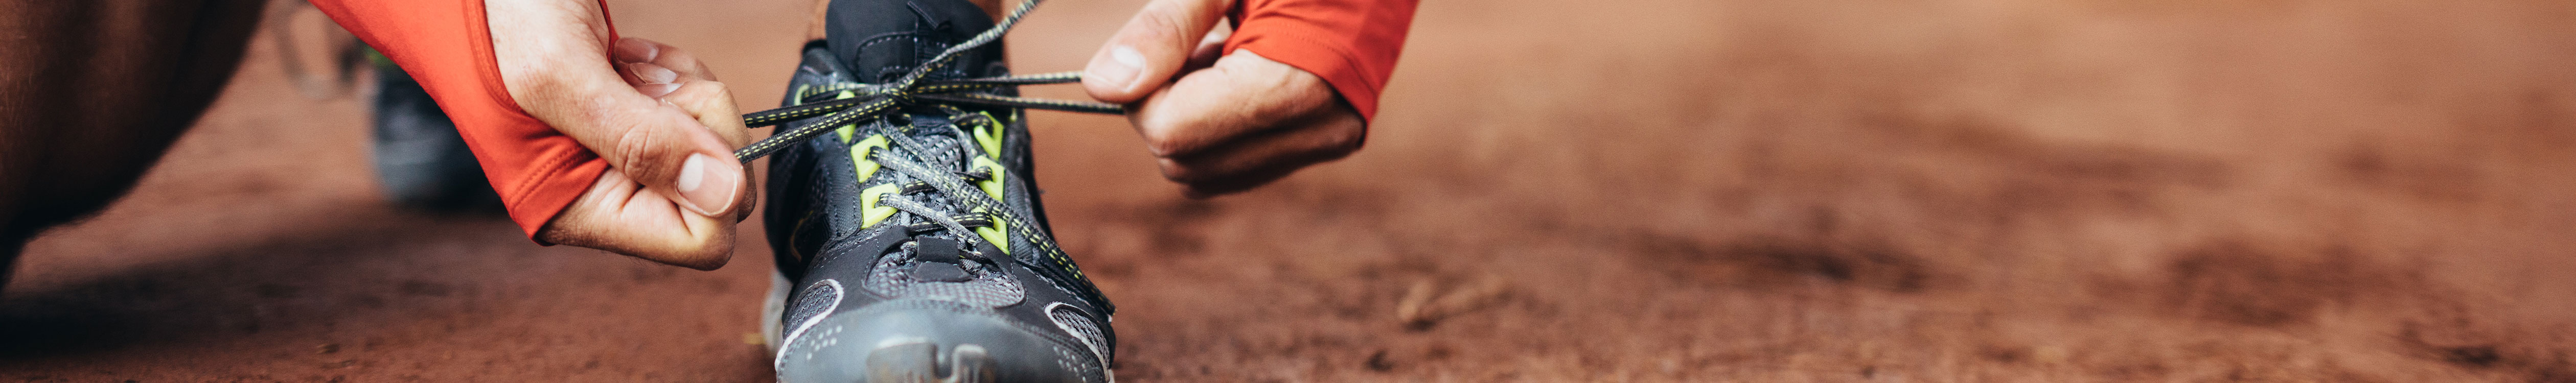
(875, 101)
(904, 157)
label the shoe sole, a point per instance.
(772, 309)
(919, 361)
(925, 341)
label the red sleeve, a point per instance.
(447, 46)
(1352, 44)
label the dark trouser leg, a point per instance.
(93, 91)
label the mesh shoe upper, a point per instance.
(921, 227)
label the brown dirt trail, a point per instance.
(1660, 190)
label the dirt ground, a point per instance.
(1557, 191)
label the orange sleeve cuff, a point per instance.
(447, 46)
(1351, 44)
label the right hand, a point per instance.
(673, 190)
(1216, 122)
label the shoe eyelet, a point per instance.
(992, 186)
(863, 156)
(872, 207)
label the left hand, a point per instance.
(666, 127)
(1218, 123)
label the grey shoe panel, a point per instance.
(918, 297)
(840, 348)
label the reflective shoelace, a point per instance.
(900, 158)
(877, 101)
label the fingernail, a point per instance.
(653, 74)
(709, 186)
(637, 49)
(657, 90)
(1120, 68)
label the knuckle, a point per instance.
(700, 92)
(557, 234)
(633, 147)
(694, 92)
(1167, 20)
(714, 91)
(1178, 172)
(1163, 145)
(1176, 133)
(704, 258)
(1352, 137)
(1160, 137)
(1341, 146)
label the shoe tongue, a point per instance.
(883, 39)
(936, 249)
(939, 261)
(943, 144)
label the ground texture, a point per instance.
(1657, 190)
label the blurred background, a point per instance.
(1650, 190)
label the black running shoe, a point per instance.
(914, 241)
(420, 160)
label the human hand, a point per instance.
(673, 190)
(1218, 124)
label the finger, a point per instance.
(815, 22)
(632, 50)
(1210, 48)
(621, 216)
(1242, 94)
(1266, 156)
(1153, 46)
(669, 175)
(712, 104)
(651, 80)
(661, 146)
(993, 8)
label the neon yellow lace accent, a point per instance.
(989, 135)
(847, 131)
(870, 210)
(994, 233)
(992, 186)
(859, 156)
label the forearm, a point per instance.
(1351, 44)
(447, 46)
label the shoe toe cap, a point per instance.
(909, 345)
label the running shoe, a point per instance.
(910, 238)
(420, 160)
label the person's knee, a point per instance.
(69, 144)
(49, 200)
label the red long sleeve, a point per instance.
(447, 46)
(1352, 44)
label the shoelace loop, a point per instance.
(874, 100)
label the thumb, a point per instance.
(617, 215)
(661, 146)
(1153, 46)
(555, 63)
